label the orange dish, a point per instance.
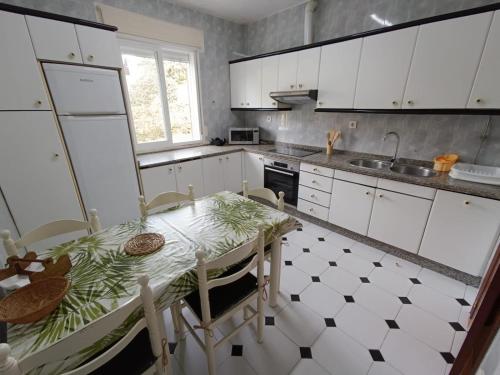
(443, 163)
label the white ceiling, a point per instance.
(241, 11)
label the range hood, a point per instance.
(294, 97)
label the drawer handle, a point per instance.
(311, 209)
(367, 193)
(314, 181)
(90, 57)
(227, 157)
(467, 203)
(316, 170)
(313, 196)
(220, 159)
(381, 195)
(71, 55)
(38, 103)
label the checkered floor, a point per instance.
(345, 308)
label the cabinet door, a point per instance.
(36, 178)
(445, 61)
(337, 74)
(308, 69)
(44, 32)
(269, 81)
(213, 174)
(351, 206)
(399, 219)
(158, 180)
(254, 170)
(253, 85)
(287, 71)
(21, 85)
(238, 85)
(485, 91)
(462, 231)
(232, 172)
(190, 172)
(98, 46)
(383, 69)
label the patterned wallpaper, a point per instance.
(422, 136)
(222, 38)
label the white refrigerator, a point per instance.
(90, 107)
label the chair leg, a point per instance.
(275, 271)
(246, 313)
(260, 320)
(210, 352)
(176, 312)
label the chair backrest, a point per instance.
(163, 199)
(266, 194)
(52, 229)
(98, 330)
(233, 257)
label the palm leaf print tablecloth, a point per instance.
(104, 277)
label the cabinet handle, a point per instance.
(381, 195)
(314, 181)
(71, 55)
(311, 209)
(394, 102)
(55, 155)
(467, 203)
(300, 85)
(410, 102)
(367, 193)
(292, 86)
(90, 58)
(260, 159)
(315, 169)
(320, 103)
(220, 159)
(38, 103)
(170, 169)
(179, 167)
(248, 103)
(313, 196)
(274, 103)
(227, 157)
(242, 103)
(479, 100)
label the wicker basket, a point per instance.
(33, 301)
(144, 244)
(443, 163)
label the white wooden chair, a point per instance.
(143, 350)
(165, 199)
(266, 194)
(52, 229)
(219, 299)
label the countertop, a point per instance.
(339, 160)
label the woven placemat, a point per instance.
(145, 243)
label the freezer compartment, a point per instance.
(80, 90)
(101, 153)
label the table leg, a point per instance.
(275, 272)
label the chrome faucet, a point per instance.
(397, 144)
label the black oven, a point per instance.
(282, 176)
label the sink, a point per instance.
(413, 170)
(372, 164)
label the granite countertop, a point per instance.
(339, 160)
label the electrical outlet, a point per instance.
(268, 118)
(353, 124)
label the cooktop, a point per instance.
(292, 151)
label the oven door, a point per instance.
(280, 179)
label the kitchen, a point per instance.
(374, 272)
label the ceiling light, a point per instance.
(380, 20)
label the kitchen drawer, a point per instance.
(322, 171)
(314, 196)
(410, 189)
(356, 178)
(316, 181)
(312, 209)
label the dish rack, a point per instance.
(476, 173)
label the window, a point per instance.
(163, 93)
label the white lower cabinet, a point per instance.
(351, 206)
(35, 174)
(190, 172)
(232, 172)
(399, 219)
(254, 170)
(157, 180)
(213, 174)
(462, 231)
(313, 209)
(314, 196)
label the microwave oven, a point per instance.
(244, 136)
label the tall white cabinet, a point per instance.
(21, 85)
(383, 69)
(35, 175)
(445, 61)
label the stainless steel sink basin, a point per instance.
(413, 170)
(372, 164)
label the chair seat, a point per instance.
(134, 359)
(222, 298)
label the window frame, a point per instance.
(161, 50)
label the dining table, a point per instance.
(104, 277)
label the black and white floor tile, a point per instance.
(345, 308)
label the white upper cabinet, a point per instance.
(299, 70)
(269, 80)
(238, 85)
(98, 46)
(287, 71)
(253, 84)
(21, 85)
(486, 89)
(445, 61)
(383, 69)
(462, 231)
(337, 74)
(308, 69)
(45, 32)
